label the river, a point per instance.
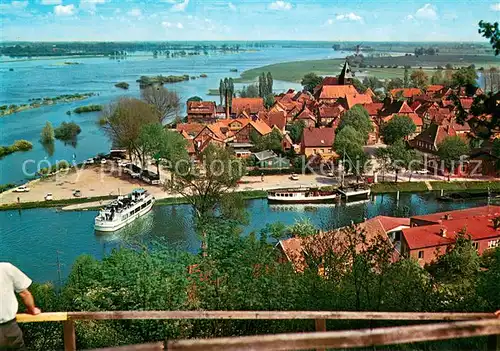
(51, 77)
(35, 239)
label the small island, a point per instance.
(39, 102)
(19, 145)
(88, 108)
(203, 75)
(146, 81)
(122, 85)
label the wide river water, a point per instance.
(51, 77)
(35, 239)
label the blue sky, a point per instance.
(329, 20)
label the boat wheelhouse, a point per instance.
(301, 195)
(124, 210)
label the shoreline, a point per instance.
(89, 203)
(53, 101)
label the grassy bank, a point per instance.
(294, 71)
(413, 187)
(54, 203)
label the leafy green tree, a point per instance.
(302, 228)
(48, 135)
(349, 145)
(310, 81)
(399, 127)
(396, 83)
(406, 79)
(490, 31)
(295, 129)
(437, 77)
(489, 280)
(269, 100)
(464, 76)
(451, 151)
(397, 157)
(222, 92)
(67, 131)
(195, 98)
(358, 118)
(251, 91)
(271, 141)
(419, 79)
(373, 83)
(361, 87)
(269, 83)
(123, 120)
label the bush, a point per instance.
(122, 85)
(67, 131)
(88, 108)
(19, 145)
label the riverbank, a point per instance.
(436, 185)
(39, 102)
(384, 67)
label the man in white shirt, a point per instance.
(13, 281)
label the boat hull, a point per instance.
(107, 227)
(304, 200)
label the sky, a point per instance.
(314, 20)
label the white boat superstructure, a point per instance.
(124, 210)
(297, 196)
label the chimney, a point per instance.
(443, 232)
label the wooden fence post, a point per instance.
(69, 335)
(320, 325)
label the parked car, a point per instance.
(22, 189)
(123, 164)
(294, 177)
(89, 161)
(103, 161)
(422, 171)
(49, 197)
(330, 174)
(77, 193)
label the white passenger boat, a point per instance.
(124, 210)
(355, 193)
(301, 196)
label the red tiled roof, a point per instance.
(250, 105)
(446, 233)
(407, 92)
(337, 91)
(331, 111)
(306, 114)
(466, 103)
(373, 108)
(358, 99)
(396, 107)
(318, 137)
(330, 81)
(484, 211)
(261, 127)
(192, 129)
(391, 223)
(434, 88)
(201, 107)
(370, 92)
(274, 118)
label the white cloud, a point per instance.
(136, 12)
(280, 5)
(177, 25)
(14, 5)
(348, 17)
(178, 6)
(495, 7)
(330, 21)
(427, 12)
(90, 5)
(409, 18)
(231, 6)
(51, 2)
(62, 10)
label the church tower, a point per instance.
(345, 77)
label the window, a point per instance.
(476, 245)
(493, 243)
(421, 255)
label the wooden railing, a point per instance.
(458, 325)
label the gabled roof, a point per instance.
(373, 108)
(331, 110)
(435, 134)
(466, 103)
(407, 92)
(392, 223)
(191, 129)
(274, 118)
(358, 99)
(306, 114)
(396, 107)
(337, 91)
(201, 107)
(318, 137)
(434, 88)
(250, 105)
(370, 92)
(439, 217)
(330, 81)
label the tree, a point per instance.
(47, 136)
(207, 184)
(195, 98)
(373, 83)
(395, 83)
(310, 81)
(490, 31)
(251, 91)
(295, 129)
(348, 145)
(451, 151)
(489, 280)
(165, 103)
(397, 157)
(361, 87)
(269, 84)
(302, 228)
(437, 77)
(399, 127)
(464, 76)
(162, 145)
(406, 79)
(358, 118)
(222, 92)
(269, 100)
(271, 141)
(123, 120)
(419, 79)
(67, 131)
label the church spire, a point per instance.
(346, 75)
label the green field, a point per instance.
(294, 71)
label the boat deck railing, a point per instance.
(451, 325)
